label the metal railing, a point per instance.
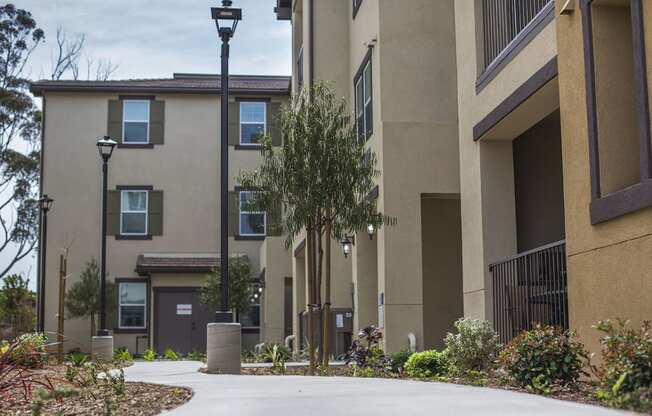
(503, 20)
(530, 288)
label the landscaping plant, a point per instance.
(367, 357)
(544, 356)
(29, 350)
(398, 360)
(269, 351)
(17, 305)
(427, 364)
(278, 355)
(474, 347)
(171, 355)
(77, 359)
(239, 287)
(122, 355)
(196, 356)
(626, 372)
(149, 355)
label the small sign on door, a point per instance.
(339, 319)
(184, 309)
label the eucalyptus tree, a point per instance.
(318, 181)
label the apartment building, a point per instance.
(555, 156)
(395, 66)
(163, 202)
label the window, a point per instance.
(132, 305)
(133, 214)
(363, 100)
(135, 126)
(356, 6)
(253, 122)
(252, 223)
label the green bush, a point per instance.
(544, 356)
(149, 355)
(30, 351)
(122, 355)
(196, 356)
(474, 347)
(271, 351)
(626, 372)
(398, 360)
(427, 364)
(171, 355)
(77, 359)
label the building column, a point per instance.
(364, 261)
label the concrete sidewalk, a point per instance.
(335, 396)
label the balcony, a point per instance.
(530, 288)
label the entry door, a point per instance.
(180, 320)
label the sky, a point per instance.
(156, 38)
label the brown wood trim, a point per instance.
(642, 97)
(134, 188)
(135, 146)
(253, 99)
(623, 202)
(544, 75)
(40, 90)
(121, 237)
(255, 147)
(167, 270)
(139, 331)
(124, 97)
(529, 32)
(249, 237)
(300, 248)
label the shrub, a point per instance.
(172, 355)
(196, 356)
(149, 355)
(77, 359)
(270, 352)
(398, 360)
(122, 355)
(474, 347)
(30, 351)
(544, 356)
(626, 372)
(427, 364)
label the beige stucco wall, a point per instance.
(487, 185)
(185, 168)
(608, 264)
(276, 261)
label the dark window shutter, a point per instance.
(156, 122)
(113, 213)
(234, 214)
(274, 123)
(114, 129)
(274, 225)
(155, 213)
(112, 306)
(234, 124)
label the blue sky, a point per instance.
(155, 38)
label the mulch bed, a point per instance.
(138, 398)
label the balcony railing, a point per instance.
(530, 288)
(503, 20)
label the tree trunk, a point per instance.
(320, 257)
(327, 298)
(310, 253)
(92, 325)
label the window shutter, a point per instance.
(156, 122)
(155, 213)
(274, 123)
(112, 306)
(113, 213)
(234, 124)
(114, 129)
(234, 214)
(274, 218)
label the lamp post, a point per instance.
(346, 243)
(226, 21)
(45, 204)
(105, 147)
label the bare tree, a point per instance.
(105, 69)
(68, 52)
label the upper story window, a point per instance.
(252, 223)
(364, 100)
(356, 7)
(132, 305)
(253, 122)
(133, 213)
(135, 122)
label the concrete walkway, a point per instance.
(335, 396)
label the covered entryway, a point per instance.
(179, 320)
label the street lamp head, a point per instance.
(371, 230)
(346, 246)
(226, 19)
(105, 146)
(45, 202)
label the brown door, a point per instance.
(180, 320)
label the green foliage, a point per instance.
(427, 364)
(474, 346)
(20, 121)
(248, 356)
(171, 355)
(122, 355)
(149, 355)
(365, 352)
(626, 372)
(196, 356)
(278, 355)
(549, 354)
(239, 286)
(45, 395)
(83, 297)
(77, 359)
(17, 304)
(269, 351)
(29, 350)
(398, 360)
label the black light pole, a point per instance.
(45, 203)
(226, 21)
(105, 146)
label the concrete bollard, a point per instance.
(223, 346)
(102, 348)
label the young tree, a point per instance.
(17, 304)
(239, 286)
(83, 297)
(20, 122)
(322, 176)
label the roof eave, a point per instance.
(38, 90)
